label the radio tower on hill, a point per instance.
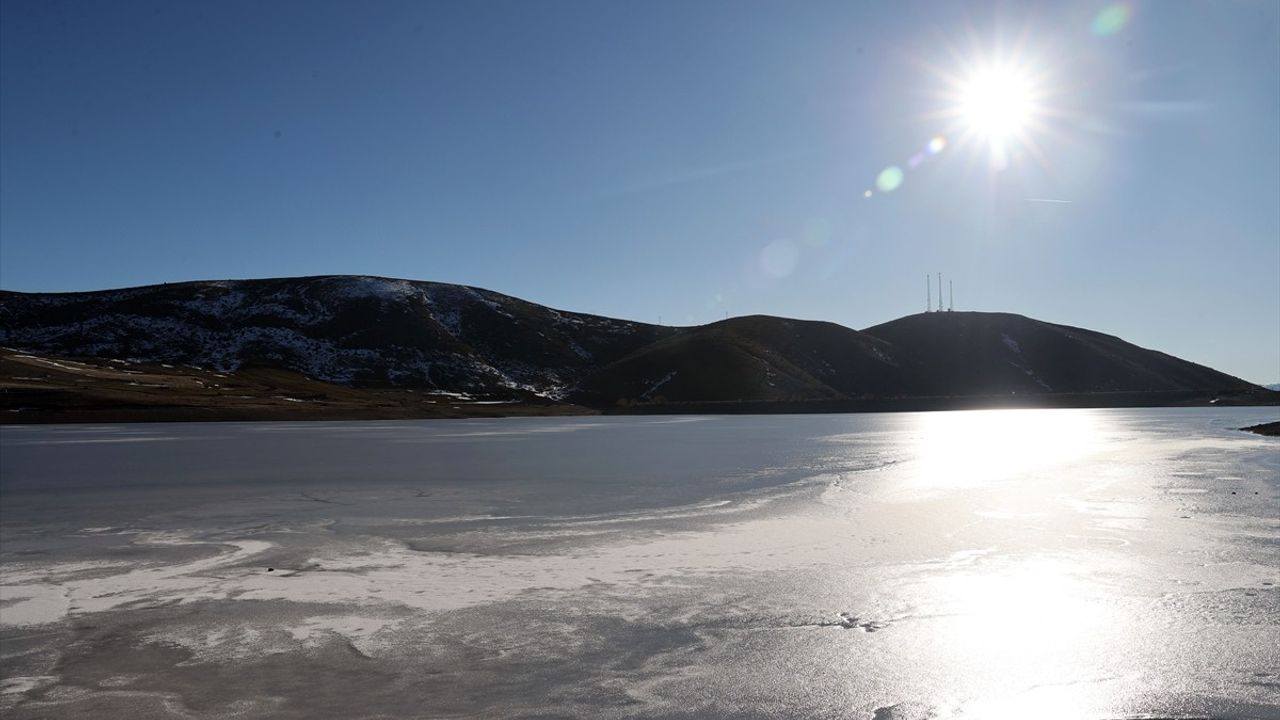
(949, 305)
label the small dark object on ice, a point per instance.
(271, 569)
(1271, 428)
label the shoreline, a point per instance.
(463, 410)
(45, 390)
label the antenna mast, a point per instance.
(951, 295)
(939, 292)
(928, 293)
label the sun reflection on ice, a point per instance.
(1017, 617)
(1021, 609)
(1016, 628)
(962, 449)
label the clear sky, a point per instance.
(675, 159)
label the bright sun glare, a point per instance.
(997, 103)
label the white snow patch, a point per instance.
(456, 395)
(1033, 376)
(22, 684)
(40, 595)
(666, 379)
(382, 288)
(1010, 343)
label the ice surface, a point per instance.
(994, 564)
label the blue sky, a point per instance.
(680, 160)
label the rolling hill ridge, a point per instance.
(380, 334)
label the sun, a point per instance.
(997, 103)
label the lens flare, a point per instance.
(1112, 19)
(889, 179)
(817, 232)
(778, 259)
(937, 145)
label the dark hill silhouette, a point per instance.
(352, 330)
(974, 353)
(371, 333)
(758, 358)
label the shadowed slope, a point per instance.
(757, 358)
(974, 353)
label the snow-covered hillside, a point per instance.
(343, 329)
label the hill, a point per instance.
(972, 353)
(358, 331)
(378, 346)
(754, 358)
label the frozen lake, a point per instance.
(1049, 564)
